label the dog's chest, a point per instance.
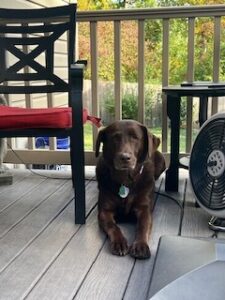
(125, 205)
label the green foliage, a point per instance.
(130, 104)
(222, 62)
(153, 43)
(144, 3)
(178, 48)
(183, 112)
(153, 106)
(94, 4)
(108, 104)
(178, 51)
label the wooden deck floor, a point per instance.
(43, 255)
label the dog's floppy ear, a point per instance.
(100, 139)
(145, 152)
(155, 142)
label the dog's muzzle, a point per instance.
(124, 161)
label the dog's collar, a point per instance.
(124, 190)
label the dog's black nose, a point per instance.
(125, 157)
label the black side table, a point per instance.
(173, 95)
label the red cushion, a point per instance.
(21, 118)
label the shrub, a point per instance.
(153, 105)
(130, 104)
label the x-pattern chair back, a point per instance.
(41, 34)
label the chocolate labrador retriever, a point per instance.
(126, 173)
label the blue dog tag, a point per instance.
(123, 191)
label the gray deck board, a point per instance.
(44, 255)
(23, 273)
(18, 177)
(26, 204)
(166, 220)
(19, 189)
(29, 228)
(63, 278)
(108, 277)
(195, 221)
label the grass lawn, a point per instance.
(157, 131)
(88, 141)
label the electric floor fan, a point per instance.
(207, 169)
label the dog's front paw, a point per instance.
(140, 250)
(119, 247)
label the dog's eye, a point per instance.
(134, 136)
(117, 137)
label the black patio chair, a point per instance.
(38, 30)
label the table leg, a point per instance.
(203, 109)
(172, 173)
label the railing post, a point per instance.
(94, 75)
(141, 71)
(165, 81)
(216, 59)
(117, 70)
(190, 78)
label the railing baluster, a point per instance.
(141, 71)
(117, 70)
(216, 59)
(94, 75)
(49, 62)
(165, 81)
(190, 77)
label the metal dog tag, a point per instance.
(123, 191)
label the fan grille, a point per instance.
(209, 190)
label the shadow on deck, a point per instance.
(44, 255)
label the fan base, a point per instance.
(217, 224)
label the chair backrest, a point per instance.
(26, 34)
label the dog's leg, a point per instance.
(118, 243)
(140, 248)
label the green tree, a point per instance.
(94, 4)
(153, 43)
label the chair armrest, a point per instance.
(76, 75)
(82, 63)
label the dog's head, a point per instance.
(125, 144)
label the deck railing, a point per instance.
(216, 12)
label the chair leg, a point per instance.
(77, 143)
(78, 176)
(79, 186)
(77, 163)
(203, 109)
